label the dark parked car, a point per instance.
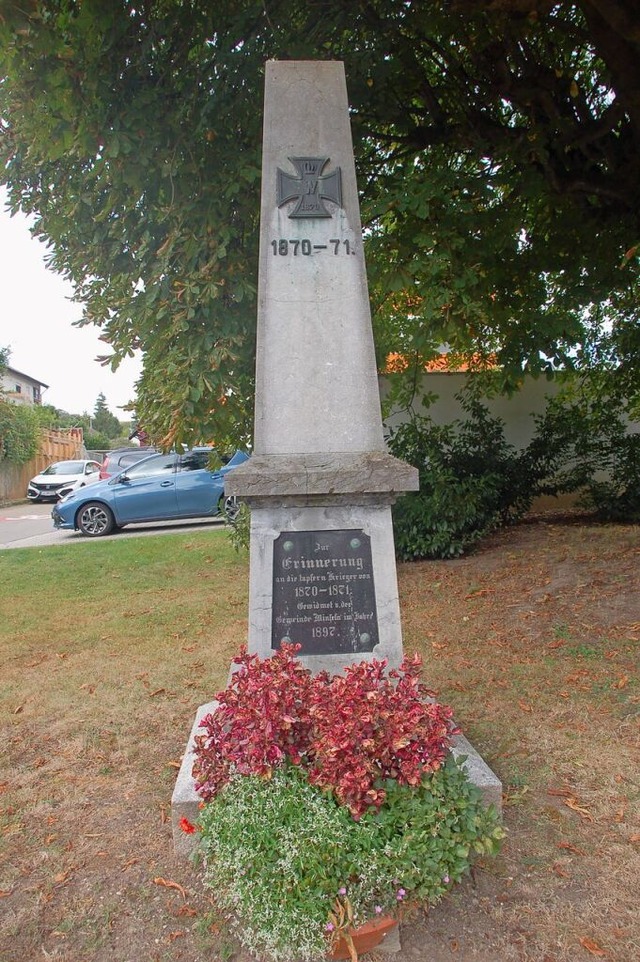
(120, 458)
(163, 487)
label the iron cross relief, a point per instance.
(309, 188)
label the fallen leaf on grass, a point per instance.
(634, 838)
(61, 877)
(169, 884)
(164, 818)
(5, 892)
(524, 707)
(592, 947)
(621, 682)
(172, 765)
(176, 935)
(619, 816)
(158, 691)
(584, 813)
(186, 910)
(559, 869)
(130, 862)
(559, 643)
(561, 792)
(16, 711)
(570, 848)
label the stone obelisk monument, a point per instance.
(320, 482)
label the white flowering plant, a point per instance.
(294, 863)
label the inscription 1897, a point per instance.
(323, 592)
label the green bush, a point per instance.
(19, 432)
(587, 450)
(471, 481)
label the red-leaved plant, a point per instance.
(349, 732)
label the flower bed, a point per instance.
(330, 800)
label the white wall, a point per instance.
(516, 411)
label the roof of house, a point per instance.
(446, 362)
(29, 377)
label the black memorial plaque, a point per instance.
(323, 592)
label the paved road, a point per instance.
(30, 526)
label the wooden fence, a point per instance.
(54, 446)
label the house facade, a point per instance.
(19, 388)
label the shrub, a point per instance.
(587, 449)
(19, 432)
(330, 799)
(471, 481)
(351, 731)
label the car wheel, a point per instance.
(229, 508)
(95, 519)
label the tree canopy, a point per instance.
(498, 154)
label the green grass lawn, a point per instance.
(108, 647)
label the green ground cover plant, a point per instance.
(107, 648)
(330, 800)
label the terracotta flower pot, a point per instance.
(364, 938)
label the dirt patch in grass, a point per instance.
(533, 640)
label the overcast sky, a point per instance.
(36, 318)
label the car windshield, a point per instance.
(65, 467)
(158, 464)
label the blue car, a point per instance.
(162, 487)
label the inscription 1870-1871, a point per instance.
(323, 592)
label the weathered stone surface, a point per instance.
(299, 475)
(316, 381)
(478, 772)
(185, 801)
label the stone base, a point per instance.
(185, 802)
